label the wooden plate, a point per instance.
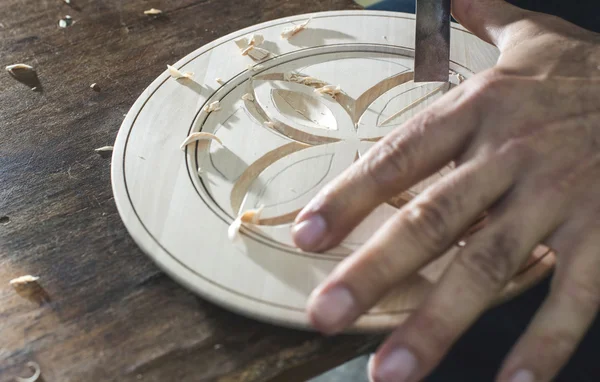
(180, 216)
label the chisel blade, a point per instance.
(432, 41)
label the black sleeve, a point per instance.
(585, 13)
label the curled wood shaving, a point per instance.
(248, 97)
(212, 107)
(177, 74)
(26, 280)
(305, 80)
(199, 137)
(249, 47)
(330, 90)
(104, 149)
(36, 373)
(293, 30)
(12, 68)
(219, 80)
(153, 12)
(247, 217)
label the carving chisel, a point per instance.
(432, 41)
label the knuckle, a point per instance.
(493, 264)
(391, 159)
(557, 344)
(492, 85)
(585, 291)
(428, 223)
(434, 331)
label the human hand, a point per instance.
(525, 137)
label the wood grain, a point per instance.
(112, 315)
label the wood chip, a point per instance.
(65, 21)
(305, 80)
(36, 373)
(177, 74)
(153, 12)
(255, 68)
(199, 137)
(104, 149)
(293, 30)
(212, 107)
(248, 217)
(248, 97)
(330, 90)
(24, 281)
(219, 80)
(16, 67)
(249, 47)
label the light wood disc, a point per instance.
(280, 145)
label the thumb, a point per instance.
(489, 20)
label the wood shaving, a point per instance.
(26, 280)
(256, 53)
(177, 74)
(219, 80)
(65, 22)
(104, 149)
(199, 137)
(212, 107)
(305, 80)
(153, 12)
(12, 68)
(249, 47)
(255, 68)
(293, 30)
(248, 97)
(36, 373)
(247, 217)
(330, 90)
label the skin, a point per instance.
(526, 139)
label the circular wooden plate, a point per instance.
(281, 143)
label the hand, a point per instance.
(525, 136)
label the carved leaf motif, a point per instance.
(301, 108)
(292, 182)
(286, 179)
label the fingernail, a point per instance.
(397, 366)
(331, 308)
(370, 368)
(523, 376)
(309, 233)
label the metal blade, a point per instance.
(432, 41)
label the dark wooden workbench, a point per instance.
(112, 315)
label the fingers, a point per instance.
(487, 19)
(470, 285)
(561, 322)
(421, 231)
(409, 154)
